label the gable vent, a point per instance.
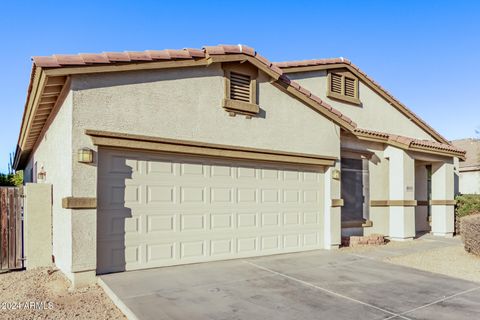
(239, 87)
(349, 87)
(336, 83)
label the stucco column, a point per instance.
(442, 204)
(84, 217)
(401, 194)
(332, 211)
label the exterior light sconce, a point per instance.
(336, 174)
(41, 176)
(85, 155)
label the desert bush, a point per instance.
(467, 204)
(470, 230)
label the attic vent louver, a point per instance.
(239, 87)
(343, 85)
(336, 83)
(349, 87)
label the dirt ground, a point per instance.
(452, 261)
(50, 292)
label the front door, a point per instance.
(354, 190)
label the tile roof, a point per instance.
(472, 147)
(105, 58)
(410, 142)
(330, 61)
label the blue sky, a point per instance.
(426, 53)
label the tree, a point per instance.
(11, 179)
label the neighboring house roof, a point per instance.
(472, 157)
(49, 83)
(333, 63)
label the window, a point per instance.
(343, 85)
(240, 89)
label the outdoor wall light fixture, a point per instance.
(85, 155)
(336, 174)
(41, 176)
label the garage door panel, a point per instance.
(158, 209)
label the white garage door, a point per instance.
(160, 210)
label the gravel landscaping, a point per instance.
(438, 255)
(452, 261)
(49, 289)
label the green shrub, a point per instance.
(467, 204)
(12, 179)
(470, 230)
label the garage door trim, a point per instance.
(140, 142)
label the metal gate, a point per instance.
(11, 228)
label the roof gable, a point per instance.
(342, 63)
(50, 81)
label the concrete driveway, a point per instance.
(313, 285)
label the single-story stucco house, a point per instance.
(162, 158)
(469, 170)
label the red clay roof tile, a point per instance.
(46, 62)
(231, 48)
(66, 59)
(118, 56)
(139, 56)
(196, 53)
(316, 99)
(305, 91)
(94, 58)
(263, 60)
(295, 84)
(248, 50)
(411, 142)
(214, 50)
(179, 54)
(159, 54)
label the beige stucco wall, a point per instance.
(182, 104)
(54, 153)
(37, 225)
(186, 104)
(469, 182)
(375, 113)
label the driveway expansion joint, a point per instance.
(311, 285)
(437, 301)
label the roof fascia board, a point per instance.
(313, 68)
(39, 81)
(61, 99)
(63, 71)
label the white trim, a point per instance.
(327, 216)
